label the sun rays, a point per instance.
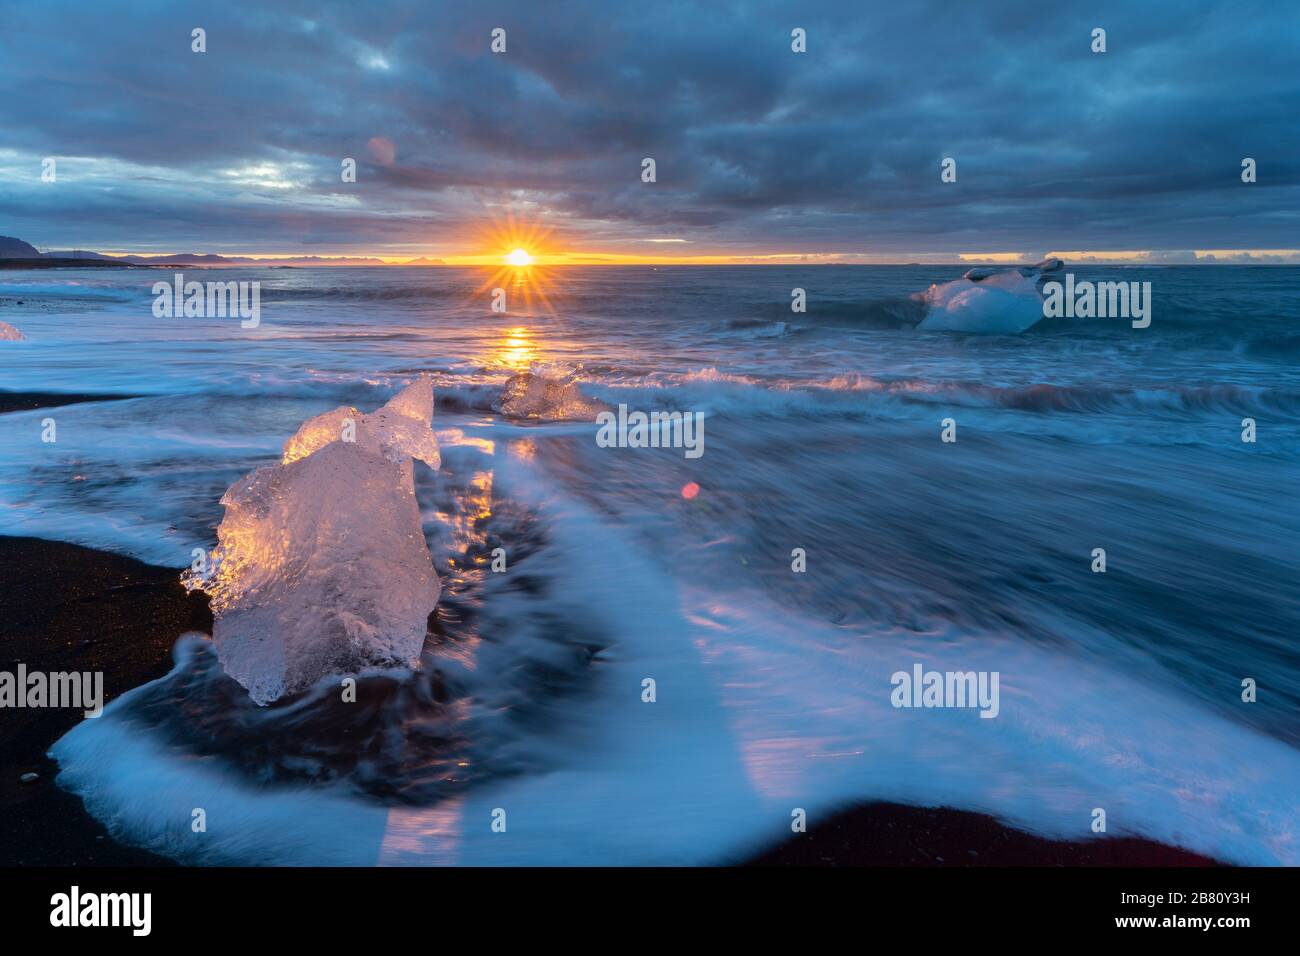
(524, 284)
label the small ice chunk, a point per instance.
(321, 566)
(1042, 268)
(9, 334)
(548, 391)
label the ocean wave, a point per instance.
(760, 709)
(1046, 398)
(759, 328)
(720, 393)
(892, 312)
(69, 289)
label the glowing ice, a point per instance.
(1000, 301)
(8, 333)
(321, 566)
(548, 390)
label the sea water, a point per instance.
(1119, 690)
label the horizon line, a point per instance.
(545, 259)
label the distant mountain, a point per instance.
(198, 259)
(11, 248)
(190, 257)
(423, 261)
(76, 254)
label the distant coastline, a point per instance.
(87, 264)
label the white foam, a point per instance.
(759, 711)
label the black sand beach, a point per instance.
(68, 608)
(29, 401)
(64, 607)
(890, 834)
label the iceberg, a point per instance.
(321, 566)
(988, 299)
(9, 334)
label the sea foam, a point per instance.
(760, 710)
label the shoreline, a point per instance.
(64, 607)
(31, 401)
(68, 263)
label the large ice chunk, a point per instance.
(999, 301)
(321, 566)
(9, 334)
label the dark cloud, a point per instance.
(757, 148)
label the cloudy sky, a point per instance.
(759, 151)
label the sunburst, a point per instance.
(520, 243)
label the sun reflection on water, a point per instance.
(516, 349)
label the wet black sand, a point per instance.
(67, 608)
(27, 401)
(890, 834)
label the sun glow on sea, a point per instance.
(519, 258)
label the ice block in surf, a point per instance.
(321, 566)
(988, 299)
(547, 391)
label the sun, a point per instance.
(515, 251)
